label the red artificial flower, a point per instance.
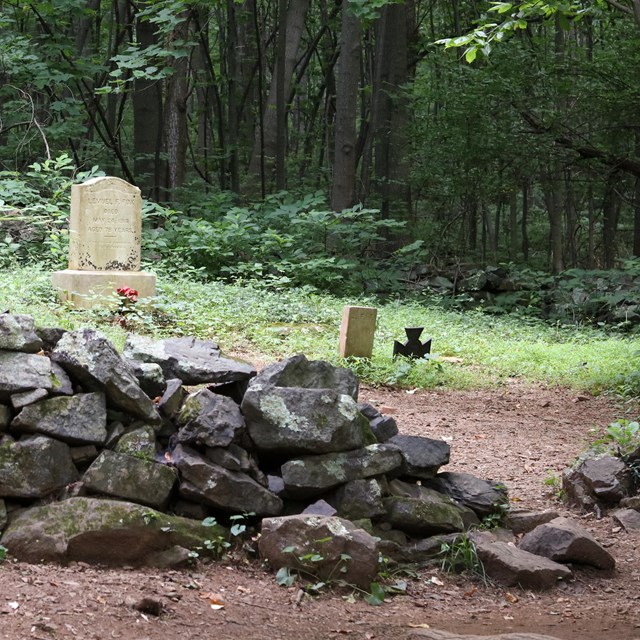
(127, 292)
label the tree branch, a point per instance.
(621, 163)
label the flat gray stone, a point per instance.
(564, 540)
(135, 479)
(523, 521)
(309, 476)
(34, 467)
(628, 518)
(17, 333)
(19, 400)
(149, 376)
(484, 497)
(191, 360)
(297, 371)
(79, 419)
(422, 456)
(88, 357)
(139, 443)
(23, 372)
(215, 486)
(511, 566)
(421, 511)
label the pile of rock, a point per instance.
(119, 458)
(602, 482)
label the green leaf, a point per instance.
(376, 595)
(284, 577)
(470, 54)
(209, 522)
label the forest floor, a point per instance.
(518, 434)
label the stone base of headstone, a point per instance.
(357, 331)
(88, 289)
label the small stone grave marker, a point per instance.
(357, 331)
(105, 229)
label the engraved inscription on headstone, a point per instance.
(105, 234)
(105, 226)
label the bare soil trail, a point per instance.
(518, 434)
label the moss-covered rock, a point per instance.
(101, 531)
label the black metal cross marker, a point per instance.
(412, 348)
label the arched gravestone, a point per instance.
(105, 229)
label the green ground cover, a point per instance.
(470, 349)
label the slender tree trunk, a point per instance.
(553, 203)
(610, 215)
(147, 116)
(513, 225)
(343, 192)
(525, 220)
(175, 115)
(266, 149)
(389, 114)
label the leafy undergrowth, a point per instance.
(470, 349)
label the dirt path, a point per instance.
(517, 434)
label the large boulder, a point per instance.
(17, 333)
(215, 486)
(293, 420)
(482, 496)
(100, 531)
(209, 420)
(23, 372)
(34, 467)
(422, 456)
(130, 478)
(191, 360)
(309, 476)
(79, 419)
(564, 540)
(93, 361)
(325, 547)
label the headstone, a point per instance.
(104, 244)
(357, 331)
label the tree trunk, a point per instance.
(389, 113)
(175, 115)
(610, 215)
(553, 202)
(147, 116)
(266, 144)
(343, 191)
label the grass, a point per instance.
(272, 324)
